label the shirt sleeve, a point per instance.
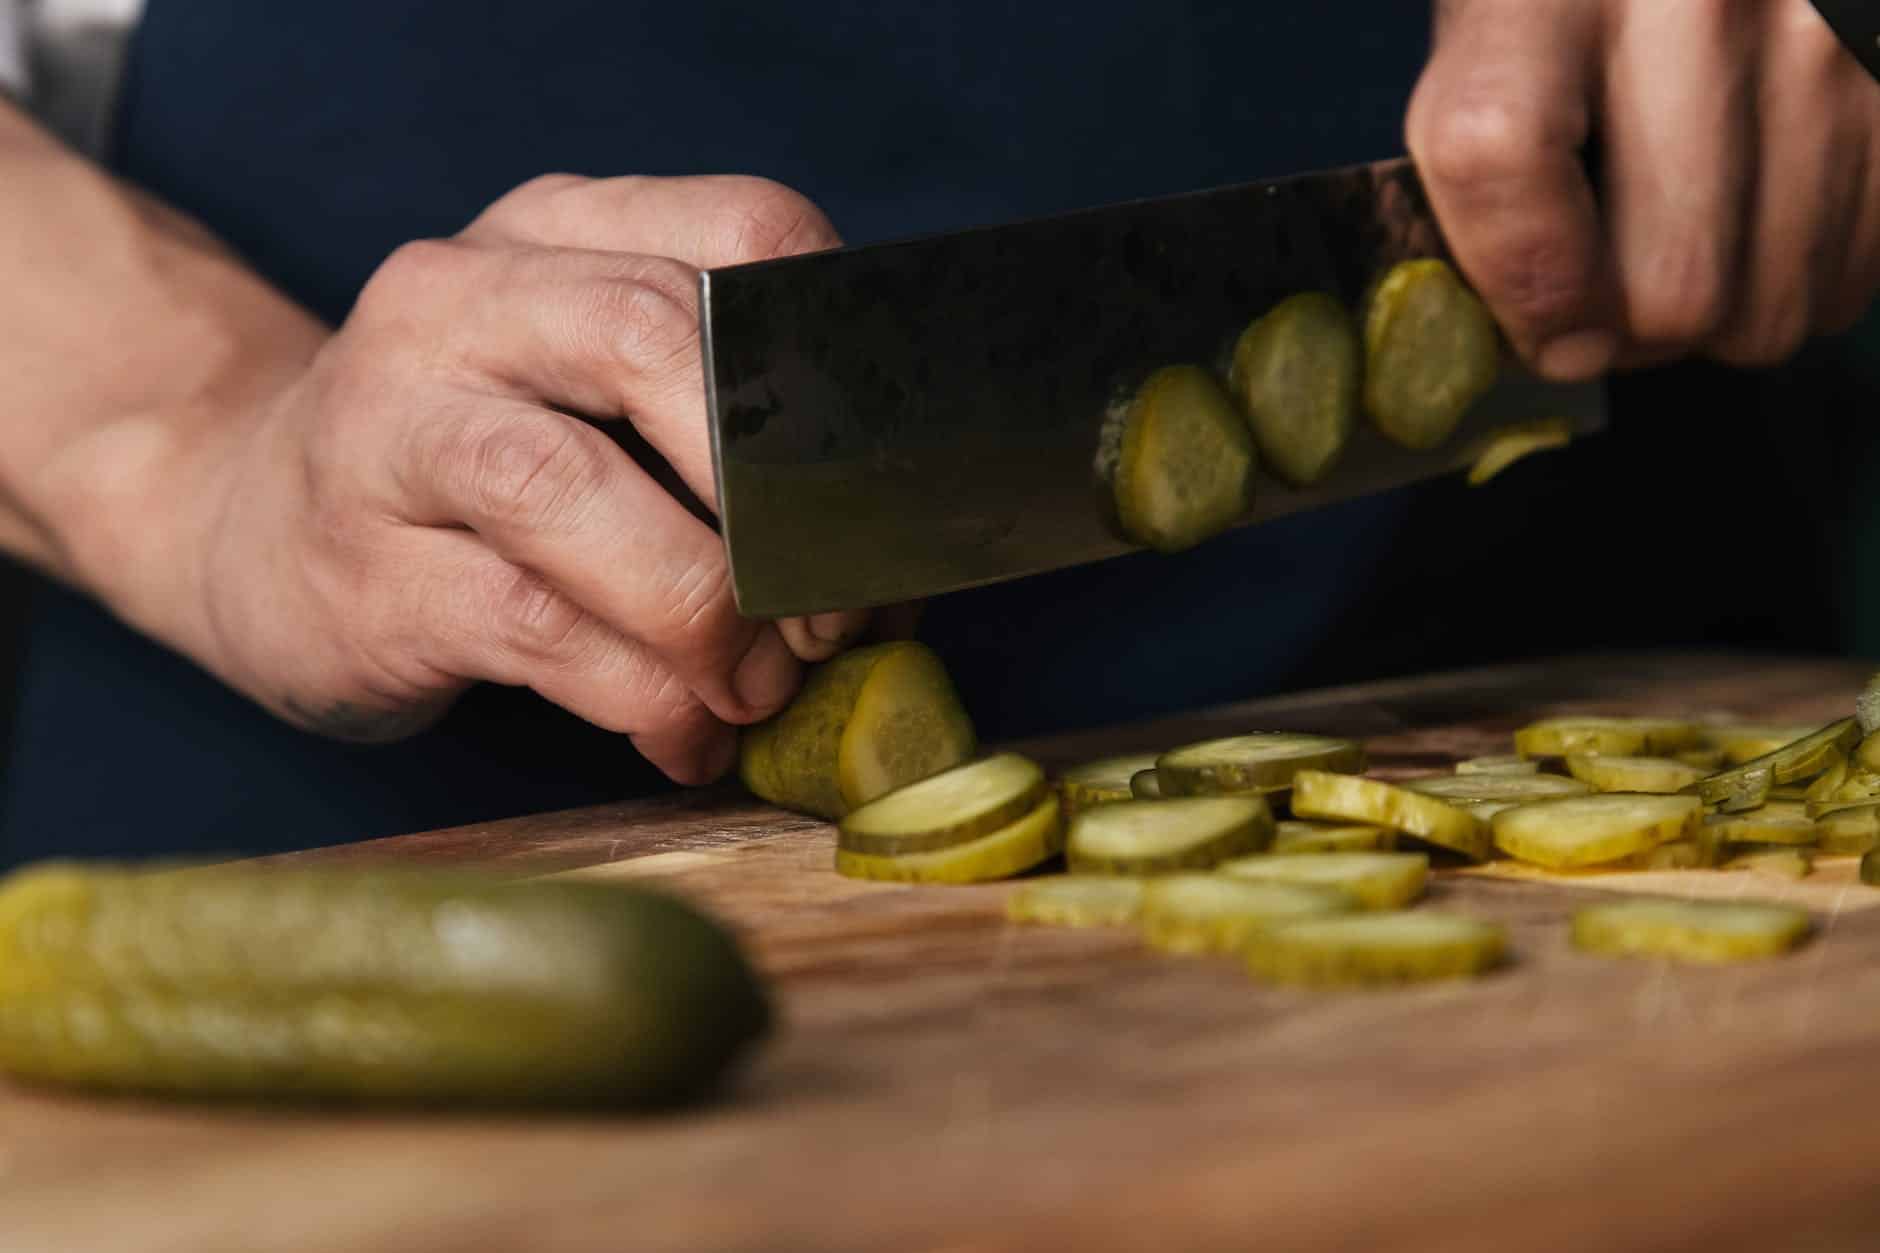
(13, 48)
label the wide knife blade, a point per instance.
(895, 421)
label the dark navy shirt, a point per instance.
(317, 135)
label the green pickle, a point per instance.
(1296, 373)
(367, 986)
(1178, 461)
(1431, 351)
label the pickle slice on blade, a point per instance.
(1431, 351)
(1211, 913)
(1497, 765)
(1296, 373)
(1512, 443)
(1032, 840)
(1183, 466)
(1348, 798)
(1297, 836)
(866, 722)
(1391, 947)
(1100, 782)
(1146, 785)
(1576, 831)
(369, 986)
(1632, 774)
(948, 808)
(1703, 931)
(1617, 737)
(1156, 837)
(1497, 787)
(1076, 901)
(1374, 880)
(1264, 761)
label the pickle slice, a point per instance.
(1296, 373)
(1033, 839)
(1392, 947)
(1577, 831)
(1512, 443)
(949, 808)
(1497, 765)
(1100, 782)
(1431, 351)
(1775, 859)
(1076, 901)
(370, 986)
(1826, 784)
(1705, 759)
(1210, 913)
(1742, 742)
(1155, 837)
(1616, 737)
(1497, 787)
(1704, 931)
(866, 722)
(1677, 855)
(1632, 774)
(1748, 785)
(1782, 822)
(1264, 761)
(1854, 830)
(1146, 785)
(1736, 790)
(1348, 798)
(1374, 880)
(1297, 836)
(1183, 469)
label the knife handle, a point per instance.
(1857, 22)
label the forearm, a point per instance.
(130, 343)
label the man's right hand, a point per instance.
(417, 510)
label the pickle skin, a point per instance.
(367, 987)
(1031, 841)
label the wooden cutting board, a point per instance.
(949, 1081)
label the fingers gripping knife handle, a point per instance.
(1857, 22)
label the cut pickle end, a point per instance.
(1615, 737)
(1296, 373)
(1210, 913)
(1577, 831)
(949, 808)
(1146, 785)
(1748, 785)
(1431, 351)
(1264, 761)
(1100, 782)
(1520, 788)
(1780, 822)
(1184, 469)
(1156, 837)
(1076, 901)
(1773, 859)
(1497, 765)
(1510, 444)
(1348, 798)
(1393, 947)
(1032, 840)
(1736, 790)
(1853, 830)
(864, 723)
(1705, 931)
(1374, 880)
(1632, 774)
(1297, 836)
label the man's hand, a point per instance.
(416, 509)
(1739, 201)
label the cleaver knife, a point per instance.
(895, 421)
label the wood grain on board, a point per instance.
(946, 1080)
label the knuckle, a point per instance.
(421, 265)
(538, 476)
(1681, 297)
(1537, 281)
(765, 219)
(535, 620)
(1480, 141)
(652, 329)
(525, 200)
